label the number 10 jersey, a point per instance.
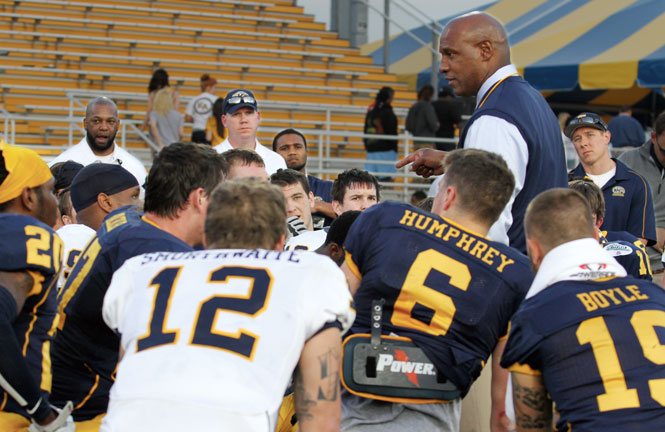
(450, 290)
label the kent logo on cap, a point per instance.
(237, 99)
(583, 120)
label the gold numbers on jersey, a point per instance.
(645, 322)
(415, 292)
(38, 247)
(617, 395)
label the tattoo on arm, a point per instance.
(303, 402)
(326, 378)
(329, 387)
(533, 408)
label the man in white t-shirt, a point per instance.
(211, 338)
(199, 109)
(241, 119)
(101, 125)
(628, 201)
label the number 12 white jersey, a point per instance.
(212, 332)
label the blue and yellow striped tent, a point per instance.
(597, 52)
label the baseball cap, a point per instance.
(20, 168)
(64, 173)
(99, 178)
(237, 99)
(586, 119)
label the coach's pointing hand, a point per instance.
(425, 162)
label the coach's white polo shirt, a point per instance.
(82, 154)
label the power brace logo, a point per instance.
(400, 364)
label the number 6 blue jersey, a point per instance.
(28, 245)
(599, 346)
(450, 290)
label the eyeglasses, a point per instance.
(241, 99)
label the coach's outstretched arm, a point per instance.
(424, 162)
(317, 383)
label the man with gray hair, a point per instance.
(101, 124)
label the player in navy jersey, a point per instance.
(587, 337)
(85, 350)
(30, 261)
(444, 286)
(627, 249)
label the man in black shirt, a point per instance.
(448, 111)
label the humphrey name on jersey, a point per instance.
(270, 255)
(448, 233)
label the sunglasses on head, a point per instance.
(241, 99)
(587, 120)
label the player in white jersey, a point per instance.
(211, 338)
(75, 237)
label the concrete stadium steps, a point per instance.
(176, 34)
(295, 67)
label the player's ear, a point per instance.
(535, 252)
(336, 253)
(449, 197)
(279, 246)
(198, 199)
(29, 199)
(337, 207)
(312, 201)
(104, 202)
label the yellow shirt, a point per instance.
(211, 125)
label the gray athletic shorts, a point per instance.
(368, 415)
